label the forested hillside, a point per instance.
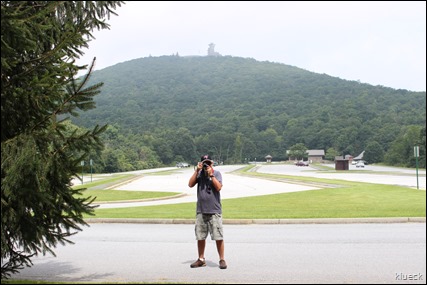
(161, 110)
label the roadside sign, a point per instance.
(417, 154)
(416, 151)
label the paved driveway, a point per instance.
(370, 174)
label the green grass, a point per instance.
(98, 189)
(105, 182)
(349, 202)
(363, 200)
(123, 195)
(345, 200)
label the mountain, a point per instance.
(237, 109)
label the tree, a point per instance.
(373, 152)
(422, 145)
(331, 153)
(298, 151)
(238, 148)
(401, 150)
(40, 152)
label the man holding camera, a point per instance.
(209, 210)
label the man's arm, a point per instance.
(193, 179)
(216, 184)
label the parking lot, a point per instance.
(369, 173)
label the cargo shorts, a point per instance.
(209, 223)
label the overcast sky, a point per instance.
(379, 43)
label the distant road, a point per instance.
(370, 174)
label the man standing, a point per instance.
(209, 210)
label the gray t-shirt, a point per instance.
(208, 198)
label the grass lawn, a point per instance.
(370, 200)
(104, 182)
(123, 195)
(346, 200)
(97, 189)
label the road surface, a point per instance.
(309, 254)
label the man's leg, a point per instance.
(217, 235)
(201, 244)
(220, 248)
(201, 230)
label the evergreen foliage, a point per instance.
(298, 151)
(39, 153)
(238, 109)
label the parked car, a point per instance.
(182, 164)
(360, 164)
(301, 163)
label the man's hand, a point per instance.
(199, 166)
(210, 170)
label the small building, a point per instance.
(316, 155)
(268, 158)
(341, 163)
(313, 155)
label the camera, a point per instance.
(205, 169)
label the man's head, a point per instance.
(206, 159)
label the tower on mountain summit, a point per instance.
(211, 50)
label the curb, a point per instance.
(264, 221)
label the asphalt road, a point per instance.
(370, 173)
(309, 254)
